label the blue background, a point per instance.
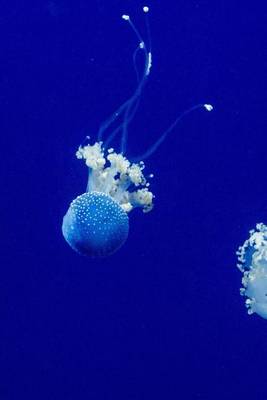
(162, 318)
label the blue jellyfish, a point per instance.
(96, 223)
(252, 257)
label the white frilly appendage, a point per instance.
(121, 180)
(252, 257)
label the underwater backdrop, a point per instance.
(162, 317)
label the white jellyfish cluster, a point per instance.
(252, 257)
(115, 176)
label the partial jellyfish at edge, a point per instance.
(252, 257)
(96, 223)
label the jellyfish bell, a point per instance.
(252, 257)
(96, 223)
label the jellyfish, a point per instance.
(97, 223)
(252, 257)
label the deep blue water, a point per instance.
(162, 318)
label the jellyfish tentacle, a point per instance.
(115, 132)
(131, 103)
(133, 108)
(125, 107)
(154, 147)
(128, 109)
(114, 175)
(106, 124)
(146, 71)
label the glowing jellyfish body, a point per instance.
(252, 257)
(96, 223)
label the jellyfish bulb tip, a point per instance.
(208, 107)
(125, 17)
(145, 9)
